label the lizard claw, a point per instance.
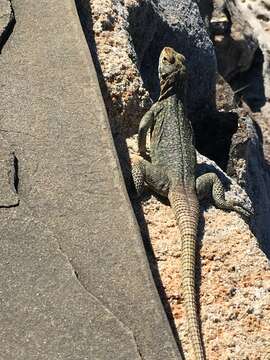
(245, 210)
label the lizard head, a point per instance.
(172, 70)
(171, 62)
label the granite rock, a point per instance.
(129, 36)
(257, 16)
(6, 20)
(75, 278)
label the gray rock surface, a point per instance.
(248, 166)
(74, 216)
(243, 51)
(128, 39)
(257, 16)
(234, 42)
(6, 16)
(45, 311)
(179, 25)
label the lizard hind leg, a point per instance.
(138, 173)
(144, 171)
(210, 184)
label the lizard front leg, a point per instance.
(209, 184)
(145, 123)
(145, 172)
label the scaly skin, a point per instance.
(171, 173)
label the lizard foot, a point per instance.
(210, 184)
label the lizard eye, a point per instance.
(171, 60)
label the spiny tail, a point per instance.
(184, 203)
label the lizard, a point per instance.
(171, 172)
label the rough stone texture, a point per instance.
(6, 16)
(248, 166)
(239, 31)
(233, 273)
(257, 16)
(74, 217)
(127, 98)
(46, 313)
(236, 47)
(225, 96)
(220, 24)
(234, 282)
(235, 52)
(206, 8)
(243, 53)
(129, 36)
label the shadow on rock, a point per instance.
(153, 264)
(249, 85)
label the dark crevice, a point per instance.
(138, 349)
(16, 173)
(8, 30)
(76, 273)
(251, 84)
(263, 17)
(12, 199)
(213, 135)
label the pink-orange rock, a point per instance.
(234, 286)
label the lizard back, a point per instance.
(172, 140)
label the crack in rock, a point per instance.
(76, 275)
(7, 21)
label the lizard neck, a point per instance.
(175, 90)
